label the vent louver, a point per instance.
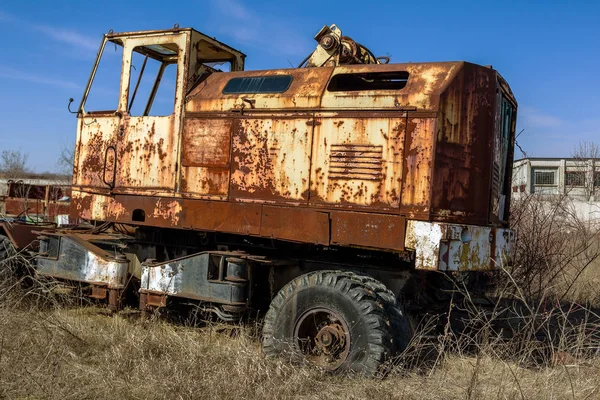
(355, 161)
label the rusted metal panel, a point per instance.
(358, 160)
(463, 153)
(94, 164)
(201, 276)
(16, 206)
(147, 154)
(99, 292)
(242, 218)
(271, 159)
(148, 146)
(451, 247)
(35, 207)
(79, 260)
(305, 92)
(425, 83)
(297, 224)
(368, 230)
(206, 152)
(206, 142)
(21, 235)
(418, 166)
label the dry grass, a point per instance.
(51, 347)
(85, 353)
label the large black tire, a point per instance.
(331, 320)
(402, 325)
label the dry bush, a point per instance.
(555, 250)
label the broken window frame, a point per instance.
(165, 60)
(99, 57)
(284, 82)
(368, 81)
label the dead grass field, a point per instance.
(53, 350)
(83, 352)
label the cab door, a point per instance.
(151, 99)
(99, 120)
(130, 115)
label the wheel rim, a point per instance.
(322, 336)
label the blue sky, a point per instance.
(549, 52)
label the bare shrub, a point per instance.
(13, 164)
(554, 247)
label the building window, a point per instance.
(597, 178)
(545, 178)
(575, 178)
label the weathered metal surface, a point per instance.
(449, 247)
(358, 161)
(463, 158)
(421, 149)
(21, 235)
(148, 146)
(426, 82)
(271, 159)
(99, 292)
(205, 163)
(296, 224)
(43, 201)
(94, 163)
(163, 212)
(305, 92)
(417, 184)
(16, 206)
(198, 276)
(72, 258)
(368, 230)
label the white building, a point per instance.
(553, 177)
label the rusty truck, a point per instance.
(328, 198)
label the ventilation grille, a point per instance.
(355, 161)
(496, 181)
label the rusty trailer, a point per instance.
(341, 178)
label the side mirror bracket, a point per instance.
(69, 106)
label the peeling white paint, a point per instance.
(451, 247)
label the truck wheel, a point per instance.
(330, 320)
(402, 325)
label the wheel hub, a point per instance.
(323, 338)
(330, 339)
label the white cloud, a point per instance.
(257, 30)
(10, 73)
(235, 10)
(68, 36)
(533, 118)
(63, 35)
